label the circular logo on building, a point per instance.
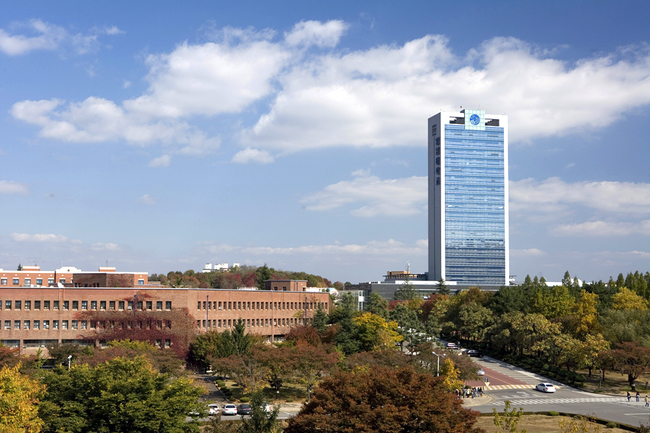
(474, 119)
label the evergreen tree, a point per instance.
(443, 289)
(377, 305)
(320, 321)
(406, 292)
(262, 274)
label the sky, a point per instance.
(160, 136)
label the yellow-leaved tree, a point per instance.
(19, 395)
(376, 333)
(450, 373)
(626, 299)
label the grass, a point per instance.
(540, 424)
(614, 383)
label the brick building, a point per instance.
(33, 316)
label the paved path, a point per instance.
(506, 376)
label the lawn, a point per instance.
(543, 424)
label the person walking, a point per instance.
(647, 404)
(628, 396)
(638, 396)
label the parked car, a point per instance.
(545, 387)
(480, 372)
(266, 407)
(451, 346)
(213, 409)
(230, 409)
(244, 409)
(474, 353)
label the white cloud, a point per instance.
(105, 247)
(147, 199)
(126, 84)
(530, 252)
(307, 33)
(392, 197)
(603, 228)
(161, 161)
(24, 237)
(252, 155)
(46, 36)
(9, 187)
(554, 194)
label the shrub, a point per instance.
(545, 367)
(289, 400)
(580, 378)
(611, 424)
(553, 413)
(564, 374)
(244, 399)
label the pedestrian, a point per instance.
(628, 396)
(647, 404)
(638, 396)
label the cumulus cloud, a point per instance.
(392, 197)
(307, 33)
(46, 36)
(25, 237)
(252, 155)
(161, 161)
(603, 229)
(554, 194)
(147, 199)
(9, 187)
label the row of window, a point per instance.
(94, 305)
(290, 321)
(28, 281)
(87, 324)
(231, 305)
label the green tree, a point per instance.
(375, 304)
(383, 399)
(507, 423)
(260, 420)
(320, 320)
(406, 292)
(121, 395)
(262, 274)
(443, 289)
(19, 396)
(20, 267)
(553, 302)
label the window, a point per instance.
(159, 305)
(62, 280)
(111, 305)
(16, 281)
(198, 323)
(7, 324)
(16, 324)
(149, 305)
(84, 324)
(84, 305)
(204, 306)
(39, 281)
(158, 343)
(120, 305)
(93, 305)
(64, 324)
(75, 324)
(140, 282)
(3, 281)
(46, 305)
(168, 343)
(220, 305)
(37, 324)
(50, 281)
(17, 305)
(28, 282)
(75, 305)
(198, 305)
(55, 324)
(56, 305)
(66, 305)
(102, 305)
(37, 305)
(130, 305)
(28, 305)
(139, 305)
(168, 305)
(46, 324)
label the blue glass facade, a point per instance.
(474, 205)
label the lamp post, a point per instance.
(69, 358)
(438, 369)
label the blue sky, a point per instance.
(158, 136)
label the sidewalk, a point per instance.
(478, 401)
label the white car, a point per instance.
(213, 409)
(480, 372)
(545, 387)
(230, 409)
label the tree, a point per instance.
(443, 289)
(262, 274)
(260, 420)
(553, 302)
(120, 395)
(320, 320)
(586, 314)
(509, 420)
(406, 292)
(309, 363)
(375, 304)
(383, 399)
(631, 359)
(376, 333)
(19, 396)
(20, 267)
(626, 299)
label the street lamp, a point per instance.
(438, 369)
(69, 358)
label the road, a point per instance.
(512, 383)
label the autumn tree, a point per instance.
(374, 332)
(19, 396)
(629, 358)
(383, 400)
(121, 395)
(310, 363)
(626, 299)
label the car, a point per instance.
(451, 346)
(213, 409)
(245, 409)
(545, 387)
(230, 409)
(474, 353)
(480, 372)
(266, 407)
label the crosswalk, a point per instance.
(529, 401)
(496, 387)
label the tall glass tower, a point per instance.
(468, 198)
